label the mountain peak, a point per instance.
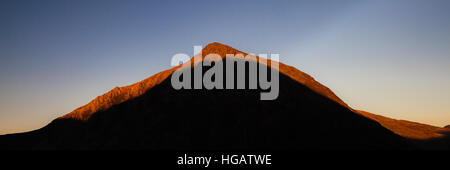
(220, 49)
(216, 45)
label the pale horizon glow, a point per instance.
(390, 58)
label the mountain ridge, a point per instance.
(121, 94)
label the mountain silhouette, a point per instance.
(151, 114)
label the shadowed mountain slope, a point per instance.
(152, 115)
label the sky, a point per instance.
(389, 57)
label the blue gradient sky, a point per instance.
(389, 57)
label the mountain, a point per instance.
(151, 114)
